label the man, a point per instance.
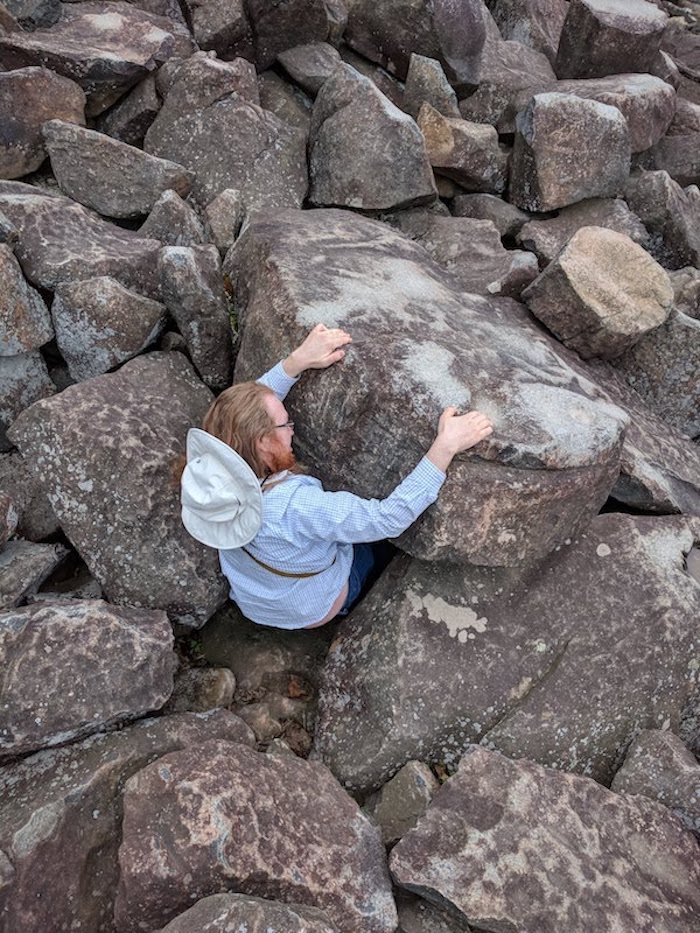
(295, 555)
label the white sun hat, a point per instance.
(220, 494)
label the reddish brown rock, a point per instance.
(224, 912)
(507, 218)
(36, 518)
(285, 100)
(426, 83)
(310, 65)
(402, 801)
(173, 222)
(25, 322)
(23, 568)
(223, 218)
(535, 23)
(669, 212)
(221, 26)
(680, 157)
(130, 118)
(277, 27)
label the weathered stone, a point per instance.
(130, 118)
(285, 100)
(25, 322)
(105, 47)
(386, 83)
(418, 916)
(450, 31)
(363, 151)
(606, 37)
(146, 558)
(663, 367)
(546, 238)
(36, 518)
(34, 14)
(221, 26)
(23, 379)
(223, 219)
(109, 176)
(686, 120)
(193, 290)
(430, 347)
(576, 843)
(437, 657)
(73, 794)
(9, 518)
(507, 218)
(402, 801)
(682, 44)
(658, 765)
(426, 83)
(8, 233)
(105, 664)
(568, 149)
(80, 586)
(679, 156)
(280, 26)
(170, 805)
(199, 689)
(225, 912)
(173, 222)
(535, 23)
(686, 291)
(61, 241)
(468, 153)
(472, 251)
(199, 80)
(100, 324)
(669, 212)
(310, 65)
(29, 97)
(647, 103)
(601, 294)
(23, 568)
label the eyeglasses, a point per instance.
(287, 424)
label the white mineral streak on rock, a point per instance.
(458, 619)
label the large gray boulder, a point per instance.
(198, 809)
(364, 152)
(74, 667)
(438, 657)
(113, 491)
(669, 212)
(587, 859)
(421, 344)
(24, 379)
(222, 913)
(74, 794)
(25, 322)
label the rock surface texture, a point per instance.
(224, 912)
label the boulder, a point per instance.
(193, 290)
(426, 83)
(73, 668)
(74, 794)
(468, 153)
(112, 178)
(286, 101)
(105, 47)
(545, 175)
(535, 23)
(23, 568)
(34, 14)
(198, 689)
(670, 213)
(546, 238)
(23, 380)
(29, 97)
(440, 656)
(221, 26)
(310, 65)
(678, 155)
(430, 346)
(659, 766)
(647, 103)
(224, 912)
(25, 322)
(686, 120)
(61, 241)
(589, 859)
(280, 26)
(402, 801)
(601, 294)
(223, 218)
(112, 489)
(607, 37)
(199, 809)
(686, 291)
(507, 218)
(663, 368)
(100, 324)
(36, 519)
(390, 86)
(173, 222)
(450, 31)
(129, 119)
(200, 80)
(363, 151)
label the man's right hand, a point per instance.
(457, 433)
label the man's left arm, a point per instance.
(321, 348)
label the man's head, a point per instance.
(251, 420)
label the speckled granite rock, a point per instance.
(402, 801)
(130, 118)
(23, 568)
(535, 23)
(36, 518)
(507, 218)
(221, 26)
(426, 83)
(173, 222)
(223, 218)
(24, 379)
(310, 65)
(25, 322)
(280, 26)
(670, 213)
(686, 291)
(222, 913)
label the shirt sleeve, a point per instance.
(348, 519)
(277, 380)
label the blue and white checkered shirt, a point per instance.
(305, 529)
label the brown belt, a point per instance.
(283, 573)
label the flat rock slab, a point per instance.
(103, 451)
(70, 669)
(74, 794)
(671, 213)
(25, 322)
(436, 658)
(310, 65)
(24, 379)
(222, 913)
(29, 97)
(508, 219)
(428, 347)
(233, 819)
(24, 566)
(514, 846)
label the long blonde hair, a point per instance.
(239, 418)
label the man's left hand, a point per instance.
(322, 348)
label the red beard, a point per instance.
(281, 460)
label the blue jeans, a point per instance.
(363, 562)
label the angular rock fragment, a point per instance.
(193, 290)
(468, 153)
(194, 803)
(386, 83)
(173, 222)
(686, 291)
(105, 664)
(201, 80)
(601, 294)
(364, 152)
(402, 801)
(23, 568)
(310, 65)
(73, 793)
(679, 156)
(34, 14)
(562, 827)
(535, 23)
(285, 100)
(23, 380)
(607, 37)
(670, 213)
(546, 238)
(507, 218)
(100, 324)
(426, 83)
(25, 322)
(223, 219)
(112, 178)
(280, 26)
(568, 149)
(36, 518)
(119, 480)
(659, 766)
(221, 26)
(222, 912)
(199, 689)
(130, 118)
(29, 97)
(419, 916)
(9, 518)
